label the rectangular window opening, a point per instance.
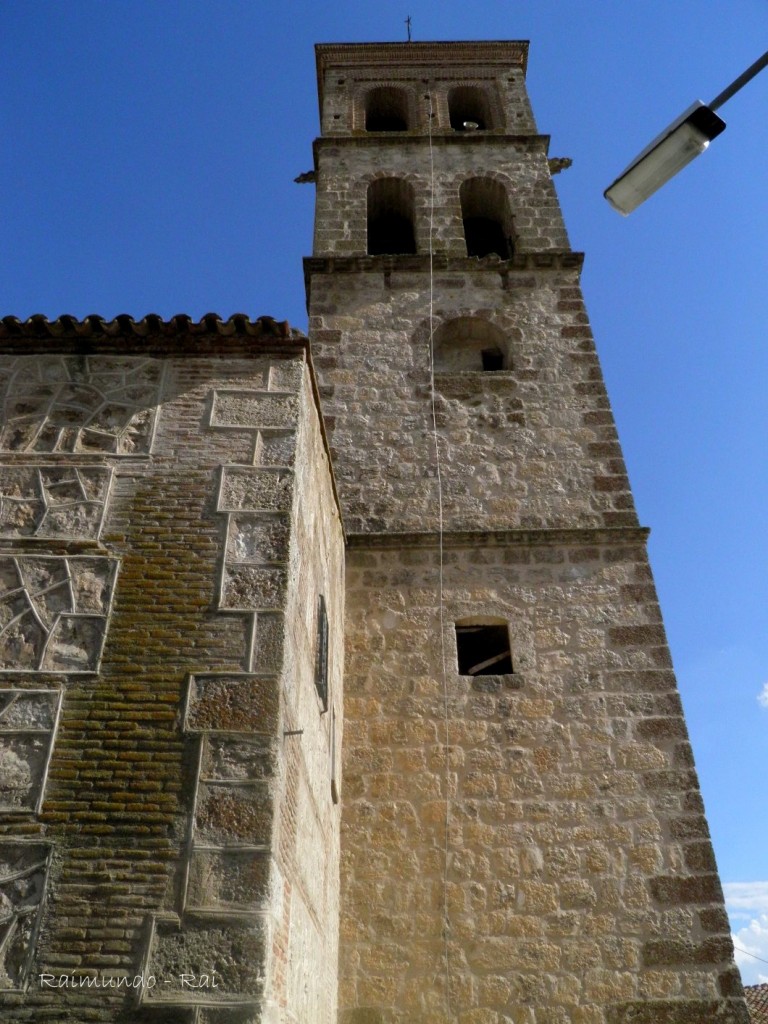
(493, 359)
(483, 650)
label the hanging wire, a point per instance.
(446, 704)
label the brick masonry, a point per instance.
(165, 754)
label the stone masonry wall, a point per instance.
(345, 168)
(153, 562)
(529, 447)
(563, 845)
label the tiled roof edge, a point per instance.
(65, 326)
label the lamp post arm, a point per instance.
(740, 82)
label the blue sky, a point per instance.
(147, 165)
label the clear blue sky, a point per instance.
(148, 151)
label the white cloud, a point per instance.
(753, 939)
(762, 697)
(746, 899)
(747, 906)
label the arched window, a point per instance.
(469, 343)
(482, 647)
(390, 217)
(468, 108)
(386, 110)
(488, 225)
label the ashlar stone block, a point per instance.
(258, 538)
(205, 963)
(232, 704)
(236, 758)
(275, 448)
(248, 410)
(233, 814)
(236, 881)
(253, 587)
(254, 489)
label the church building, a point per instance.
(333, 683)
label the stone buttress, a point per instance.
(523, 838)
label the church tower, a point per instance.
(523, 839)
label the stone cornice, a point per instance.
(529, 140)
(605, 535)
(509, 53)
(542, 259)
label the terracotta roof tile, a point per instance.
(39, 326)
(757, 1001)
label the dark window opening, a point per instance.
(488, 225)
(485, 237)
(385, 123)
(321, 654)
(468, 109)
(493, 359)
(390, 234)
(386, 110)
(483, 650)
(390, 218)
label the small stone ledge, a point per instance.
(501, 538)
(440, 137)
(542, 259)
(495, 684)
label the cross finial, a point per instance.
(408, 26)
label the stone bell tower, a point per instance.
(523, 838)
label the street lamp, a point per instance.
(678, 144)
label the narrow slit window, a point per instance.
(321, 655)
(483, 650)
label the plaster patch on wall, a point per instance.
(53, 501)
(23, 876)
(54, 611)
(28, 721)
(103, 405)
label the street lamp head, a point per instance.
(678, 144)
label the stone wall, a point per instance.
(168, 521)
(556, 867)
(531, 446)
(346, 167)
